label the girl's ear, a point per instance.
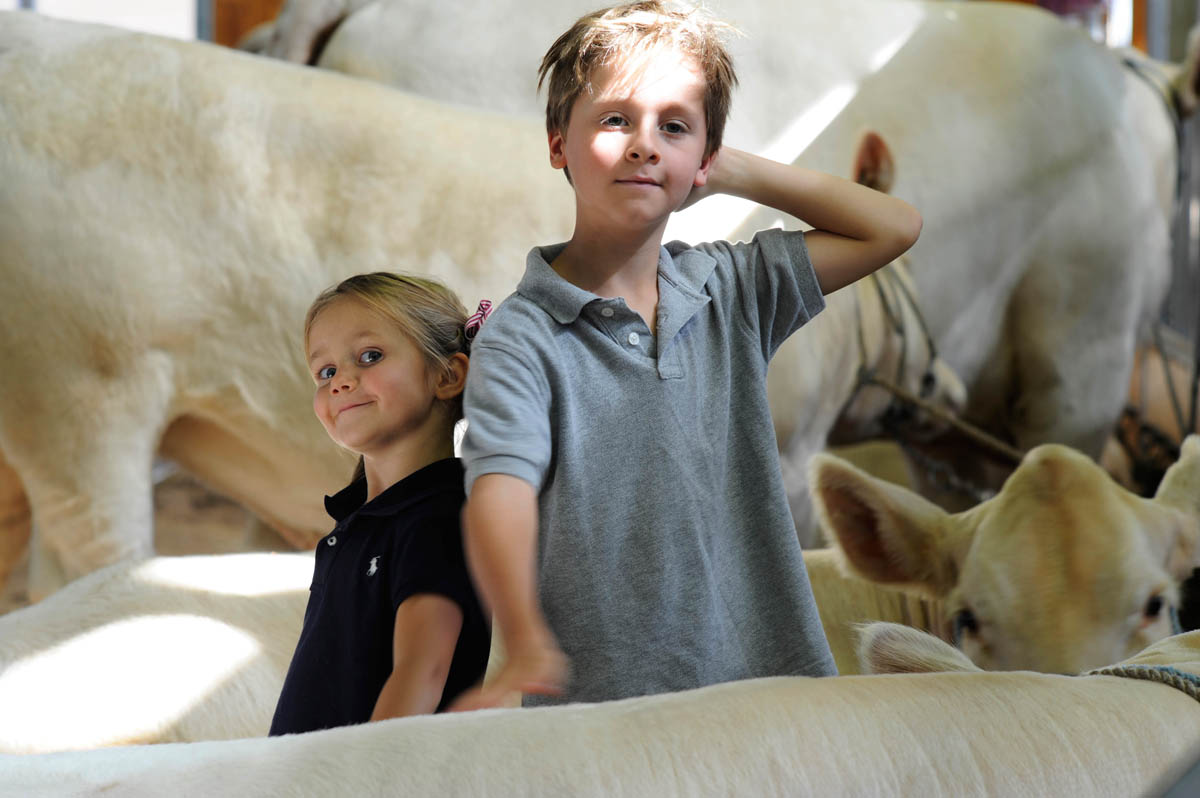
(453, 378)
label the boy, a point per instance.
(625, 499)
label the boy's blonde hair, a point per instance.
(427, 312)
(634, 33)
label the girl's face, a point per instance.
(374, 388)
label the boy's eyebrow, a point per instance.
(673, 107)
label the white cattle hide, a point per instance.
(929, 734)
(168, 649)
(171, 210)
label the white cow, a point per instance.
(1062, 571)
(1021, 140)
(1060, 576)
(164, 267)
(929, 734)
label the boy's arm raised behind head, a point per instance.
(856, 229)
(500, 533)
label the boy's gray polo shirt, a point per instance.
(667, 555)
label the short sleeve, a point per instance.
(776, 286)
(507, 407)
(431, 560)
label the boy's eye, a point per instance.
(370, 356)
(326, 372)
(674, 127)
(613, 121)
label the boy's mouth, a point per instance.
(639, 180)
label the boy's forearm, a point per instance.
(500, 528)
(825, 201)
(876, 227)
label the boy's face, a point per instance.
(635, 144)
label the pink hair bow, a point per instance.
(476, 319)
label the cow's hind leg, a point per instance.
(84, 454)
(15, 525)
(1074, 403)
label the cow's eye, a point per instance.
(964, 621)
(1153, 606)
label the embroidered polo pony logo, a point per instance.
(374, 566)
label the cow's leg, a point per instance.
(1072, 354)
(84, 453)
(97, 513)
(15, 525)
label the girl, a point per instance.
(393, 626)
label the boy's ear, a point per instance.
(705, 165)
(558, 151)
(453, 379)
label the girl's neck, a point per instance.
(406, 457)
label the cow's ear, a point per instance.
(887, 533)
(893, 648)
(1180, 488)
(874, 166)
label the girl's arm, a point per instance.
(856, 229)
(500, 532)
(423, 641)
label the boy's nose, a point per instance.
(642, 149)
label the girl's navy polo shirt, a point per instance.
(405, 541)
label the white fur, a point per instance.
(168, 649)
(931, 734)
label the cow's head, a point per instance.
(1062, 571)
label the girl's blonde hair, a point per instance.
(426, 311)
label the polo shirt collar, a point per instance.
(417, 486)
(564, 301)
(682, 275)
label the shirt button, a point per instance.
(634, 338)
(606, 312)
(332, 540)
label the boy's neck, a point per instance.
(608, 266)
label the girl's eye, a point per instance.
(370, 356)
(326, 373)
